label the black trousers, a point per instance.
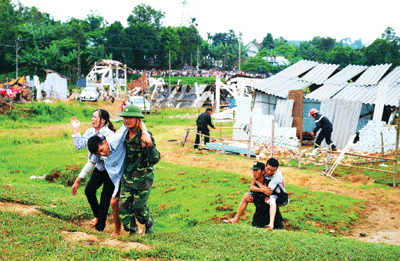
(100, 211)
(323, 134)
(204, 131)
(261, 218)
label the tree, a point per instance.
(268, 42)
(257, 64)
(142, 41)
(287, 50)
(115, 42)
(146, 14)
(170, 41)
(344, 55)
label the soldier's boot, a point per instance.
(333, 146)
(149, 230)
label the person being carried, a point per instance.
(323, 123)
(135, 173)
(100, 176)
(202, 122)
(101, 127)
(267, 183)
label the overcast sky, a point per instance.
(291, 19)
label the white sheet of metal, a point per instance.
(380, 101)
(393, 95)
(320, 73)
(326, 91)
(344, 117)
(283, 113)
(373, 74)
(298, 68)
(344, 75)
(393, 78)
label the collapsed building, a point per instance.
(357, 99)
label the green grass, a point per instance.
(40, 113)
(40, 238)
(187, 204)
(190, 80)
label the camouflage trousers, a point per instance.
(133, 205)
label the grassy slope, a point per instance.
(183, 202)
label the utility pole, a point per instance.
(170, 67)
(240, 38)
(16, 57)
(197, 67)
(78, 73)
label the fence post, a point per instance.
(328, 160)
(383, 145)
(397, 148)
(299, 154)
(184, 139)
(223, 141)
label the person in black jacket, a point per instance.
(323, 123)
(202, 122)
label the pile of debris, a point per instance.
(14, 91)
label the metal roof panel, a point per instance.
(344, 75)
(373, 74)
(320, 73)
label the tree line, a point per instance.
(33, 41)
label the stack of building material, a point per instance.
(370, 138)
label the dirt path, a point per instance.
(85, 238)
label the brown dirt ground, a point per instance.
(379, 223)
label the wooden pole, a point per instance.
(223, 141)
(272, 138)
(328, 160)
(299, 154)
(185, 138)
(397, 149)
(383, 145)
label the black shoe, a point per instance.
(149, 230)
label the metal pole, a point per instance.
(240, 36)
(397, 147)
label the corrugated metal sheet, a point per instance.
(373, 74)
(320, 73)
(280, 86)
(393, 95)
(354, 92)
(283, 113)
(364, 90)
(326, 91)
(393, 78)
(344, 116)
(344, 75)
(297, 69)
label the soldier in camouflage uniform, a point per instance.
(138, 176)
